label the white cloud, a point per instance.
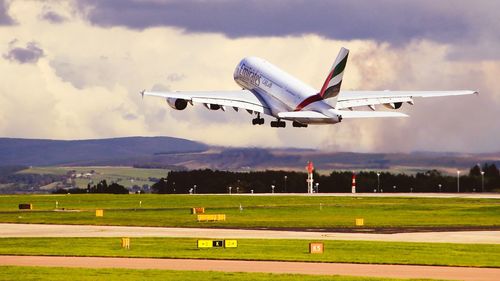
(86, 86)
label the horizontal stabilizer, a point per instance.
(301, 115)
(347, 114)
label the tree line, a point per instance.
(479, 179)
(101, 187)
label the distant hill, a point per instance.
(39, 152)
(247, 159)
(171, 153)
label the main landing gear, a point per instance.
(258, 120)
(299, 125)
(278, 124)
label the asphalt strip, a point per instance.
(372, 270)
(50, 230)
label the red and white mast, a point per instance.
(353, 186)
(310, 180)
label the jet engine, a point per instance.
(178, 104)
(393, 105)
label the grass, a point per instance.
(61, 274)
(258, 211)
(446, 254)
(126, 176)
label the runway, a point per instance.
(49, 230)
(365, 270)
(382, 194)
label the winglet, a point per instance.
(142, 93)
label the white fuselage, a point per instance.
(279, 90)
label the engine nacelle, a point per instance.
(393, 105)
(178, 104)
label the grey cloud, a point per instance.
(160, 87)
(125, 113)
(68, 72)
(30, 54)
(462, 123)
(5, 19)
(52, 17)
(174, 77)
(129, 116)
(386, 20)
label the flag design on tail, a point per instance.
(331, 86)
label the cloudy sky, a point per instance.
(73, 69)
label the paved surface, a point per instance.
(391, 271)
(48, 230)
(388, 194)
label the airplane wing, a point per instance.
(349, 99)
(243, 99)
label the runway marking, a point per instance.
(50, 230)
(485, 195)
(388, 271)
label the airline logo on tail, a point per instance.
(331, 87)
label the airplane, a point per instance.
(266, 89)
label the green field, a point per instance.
(257, 211)
(477, 255)
(15, 273)
(126, 176)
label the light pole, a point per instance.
(458, 181)
(285, 177)
(439, 186)
(482, 181)
(272, 188)
(317, 187)
(378, 182)
(230, 189)
(194, 189)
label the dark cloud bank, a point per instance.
(5, 19)
(392, 21)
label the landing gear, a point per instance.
(258, 120)
(299, 125)
(278, 124)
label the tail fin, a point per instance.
(331, 87)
